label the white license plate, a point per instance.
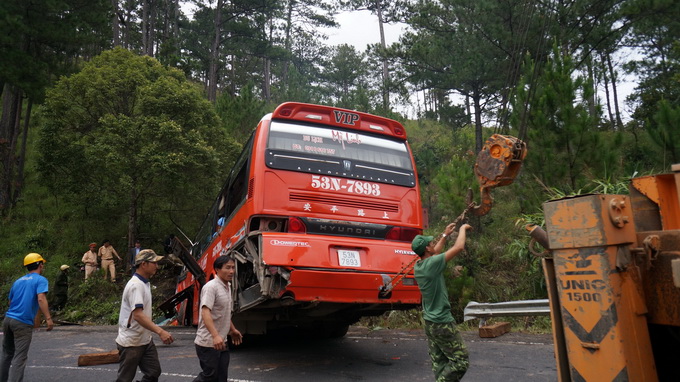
(349, 258)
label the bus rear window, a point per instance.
(344, 153)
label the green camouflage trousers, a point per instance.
(447, 351)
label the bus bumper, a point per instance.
(347, 287)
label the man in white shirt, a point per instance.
(214, 323)
(135, 327)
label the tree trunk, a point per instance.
(145, 26)
(476, 99)
(151, 28)
(605, 77)
(233, 74)
(468, 110)
(266, 83)
(11, 106)
(126, 28)
(22, 156)
(132, 221)
(418, 112)
(115, 24)
(175, 27)
(386, 72)
(612, 75)
(215, 54)
(287, 44)
(267, 70)
(592, 102)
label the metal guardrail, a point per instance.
(511, 308)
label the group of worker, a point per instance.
(105, 254)
(136, 349)
(135, 344)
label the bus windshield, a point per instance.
(332, 151)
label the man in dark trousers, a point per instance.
(132, 255)
(135, 327)
(27, 295)
(214, 323)
(61, 289)
(445, 345)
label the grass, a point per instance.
(97, 301)
(413, 319)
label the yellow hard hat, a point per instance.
(33, 258)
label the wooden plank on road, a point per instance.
(92, 359)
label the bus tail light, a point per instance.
(402, 234)
(295, 225)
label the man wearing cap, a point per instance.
(214, 323)
(445, 345)
(135, 327)
(61, 289)
(90, 260)
(26, 297)
(106, 252)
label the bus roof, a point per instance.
(338, 117)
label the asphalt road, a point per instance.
(362, 355)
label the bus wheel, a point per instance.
(337, 330)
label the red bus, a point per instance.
(319, 212)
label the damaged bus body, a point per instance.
(319, 212)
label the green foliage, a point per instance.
(452, 182)
(564, 142)
(39, 39)
(665, 130)
(396, 319)
(123, 129)
(299, 88)
(460, 287)
(607, 186)
(346, 79)
(95, 301)
(530, 267)
(595, 186)
(657, 62)
(444, 162)
(240, 114)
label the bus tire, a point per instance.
(337, 330)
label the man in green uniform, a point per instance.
(445, 345)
